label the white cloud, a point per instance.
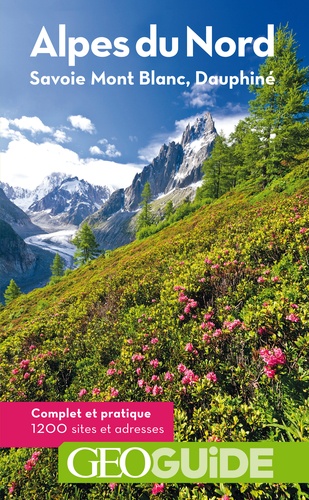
(82, 123)
(31, 123)
(95, 150)
(133, 138)
(200, 96)
(227, 123)
(26, 163)
(6, 132)
(61, 137)
(110, 150)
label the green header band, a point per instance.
(184, 462)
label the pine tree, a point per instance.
(57, 269)
(85, 242)
(168, 209)
(145, 217)
(219, 170)
(278, 114)
(12, 292)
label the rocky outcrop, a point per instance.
(15, 256)
(177, 166)
(16, 218)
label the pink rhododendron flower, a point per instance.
(261, 330)
(169, 376)
(95, 391)
(140, 382)
(155, 340)
(157, 488)
(303, 230)
(12, 488)
(182, 297)
(26, 376)
(274, 357)
(154, 378)
(293, 317)
(217, 333)
(154, 363)
(214, 438)
(208, 316)
(181, 317)
(157, 390)
(114, 392)
(145, 348)
(211, 376)
(112, 486)
(138, 371)
(231, 325)
(15, 371)
(269, 372)
(261, 279)
(206, 338)
(111, 371)
(148, 389)
(208, 261)
(130, 341)
(181, 368)
(82, 393)
(137, 357)
(32, 461)
(190, 378)
(189, 347)
(24, 363)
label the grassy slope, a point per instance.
(256, 276)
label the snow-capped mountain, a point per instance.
(23, 198)
(71, 201)
(59, 200)
(177, 168)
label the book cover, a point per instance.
(154, 250)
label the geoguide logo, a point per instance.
(183, 462)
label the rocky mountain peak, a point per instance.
(177, 166)
(203, 126)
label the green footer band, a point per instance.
(184, 462)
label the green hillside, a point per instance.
(213, 298)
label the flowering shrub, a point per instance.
(212, 314)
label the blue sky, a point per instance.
(106, 133)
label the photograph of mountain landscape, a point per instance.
(154, 230)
